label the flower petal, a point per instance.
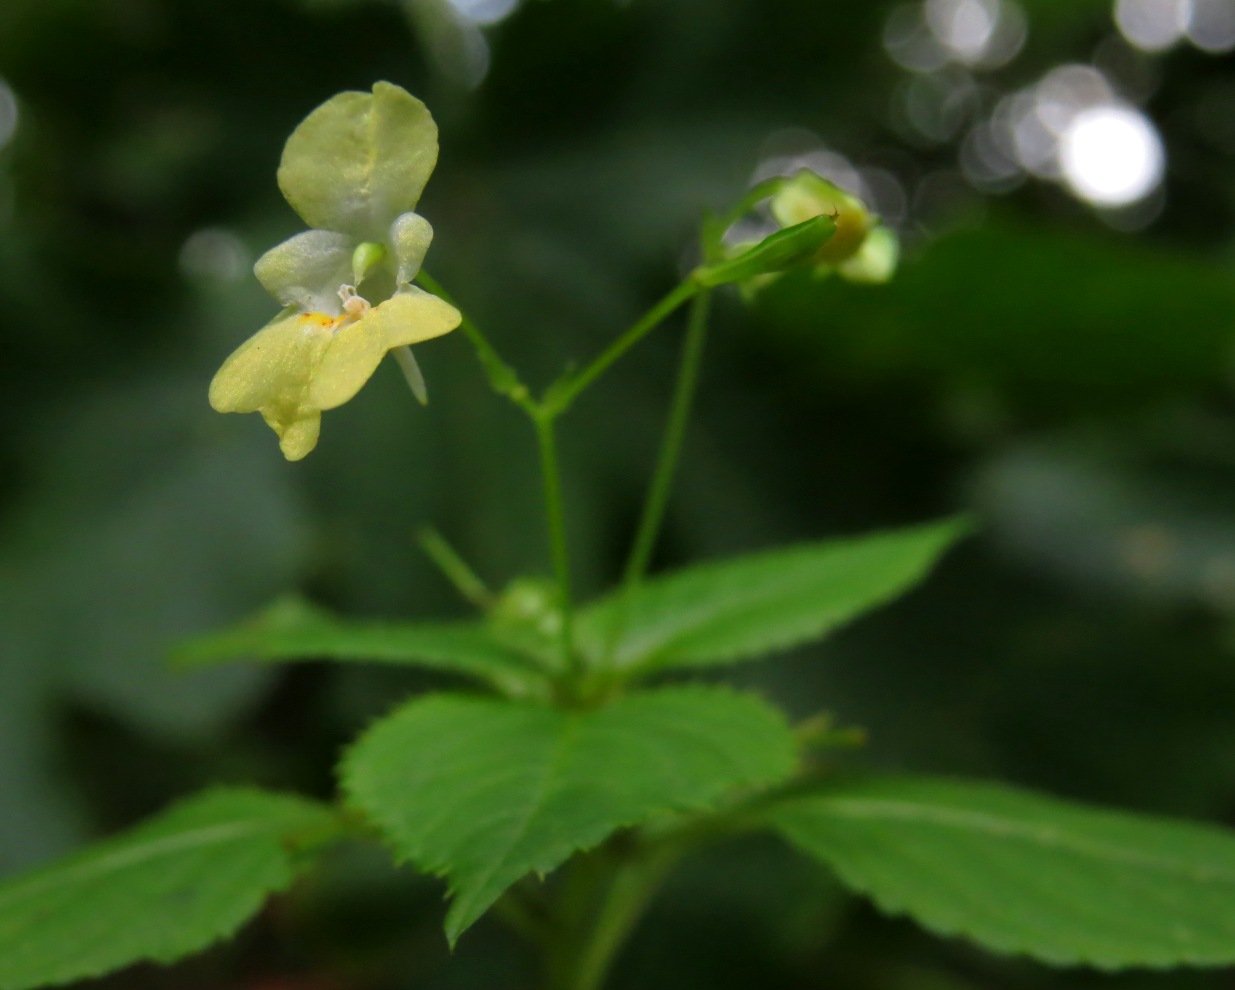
(876, 259)
(359, 160)
(349, 361)
(410, 236)
(306, 271)
(297, 432)
(273, 368)
(413, 315)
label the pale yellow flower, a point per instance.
(353, 169)
(299, 365)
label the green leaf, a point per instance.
(359, 161)
(291, 629)
(167, 888)
(738, 609)
(1019, 872)
(484, 791)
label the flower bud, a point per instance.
(807, 195)
(775, 253)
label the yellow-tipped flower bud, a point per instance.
(807, 195)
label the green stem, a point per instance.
(465, 580)
(560, 396)
(503, 379)
(671, 446)
(586, 943)
(547, 439)
(657, 499)
(524, 916)
(629, 894)
(760, 191)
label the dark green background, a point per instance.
(1069, 382)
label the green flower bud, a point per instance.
(528, 616)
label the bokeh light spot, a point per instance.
(1152, 25)
(984, 33)
(964, 26)
(1211, 25)
(910, 42)
(1112, 156)
(215, 254)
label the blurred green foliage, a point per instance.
(1069, 380)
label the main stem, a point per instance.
(546, 437)
(628, 898)
(544, 413)
(581, 957)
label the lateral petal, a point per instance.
(413, 315)
(306, 271)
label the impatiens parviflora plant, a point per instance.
(585, 729)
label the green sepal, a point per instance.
(775, 253)
(412, 374)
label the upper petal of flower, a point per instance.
(359, 160)
(306, 270)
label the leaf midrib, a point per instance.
(569, 730)
(1041, 835)
(667, 624)
(124, 858)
